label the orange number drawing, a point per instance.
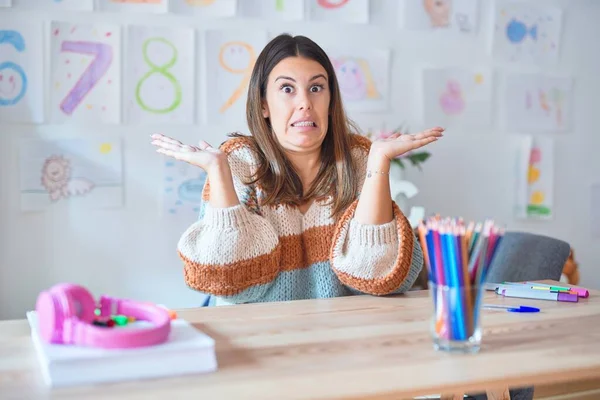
(245, 70)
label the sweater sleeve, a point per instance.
(232, 252)
(376, 259)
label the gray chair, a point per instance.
(525, 256)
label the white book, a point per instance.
(187, 351)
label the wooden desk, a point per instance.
(350, 348)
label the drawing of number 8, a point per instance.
(16, 40)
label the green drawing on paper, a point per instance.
(162, 70)
(533, 209)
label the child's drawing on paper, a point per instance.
(452, 100)
(457, 96)
(205, 8)
(350, 11)
(59, 182)
(21, 73)
(438, 11)
(182, 189)
(79, 5)
(355, 79)
(537, 102)
(161, 75)
(540, 179)
(280, 10)
(85, 73)
(230, 58)
(83, 172)
(144, 6)
(526, 33)
(362, 78)
(456, 15)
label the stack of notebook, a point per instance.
(188, 351)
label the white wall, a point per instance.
(131, 251)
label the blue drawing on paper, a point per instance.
(517, 31)
(11, 92)
(183, 188)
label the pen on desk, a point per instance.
(518, 309)
(526, 293)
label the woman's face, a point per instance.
(297, 103)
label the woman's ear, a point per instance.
(265, 109)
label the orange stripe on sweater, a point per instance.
(232, 278)
(392, 281)
(301, 251)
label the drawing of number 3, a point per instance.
(162, 70)
(234, 50)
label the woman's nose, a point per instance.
(304, 102)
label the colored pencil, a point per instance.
(458, 256)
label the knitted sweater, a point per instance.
(256, 253)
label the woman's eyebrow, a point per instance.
(293, 80)
(285, 77)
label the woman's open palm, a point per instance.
(204, 155)
(398, 144)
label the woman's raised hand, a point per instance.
(398, 144)
(204, 155)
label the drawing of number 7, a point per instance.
(93, 73)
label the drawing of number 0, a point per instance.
(246, 70)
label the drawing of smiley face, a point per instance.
(351, 79)
(236, 57)
(8, 83)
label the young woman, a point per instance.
(302, 207)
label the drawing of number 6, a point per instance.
(15, 39)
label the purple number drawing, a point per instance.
(102, 59)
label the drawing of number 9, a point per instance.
(8, 87)
(231, 53)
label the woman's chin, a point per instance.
(304, 141)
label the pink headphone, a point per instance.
(66, 312)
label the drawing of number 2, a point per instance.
(237, 58)
(9, 85)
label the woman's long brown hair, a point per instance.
(276, 175)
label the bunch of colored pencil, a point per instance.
(458, 257)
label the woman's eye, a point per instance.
(316, 88)
(287, 89)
